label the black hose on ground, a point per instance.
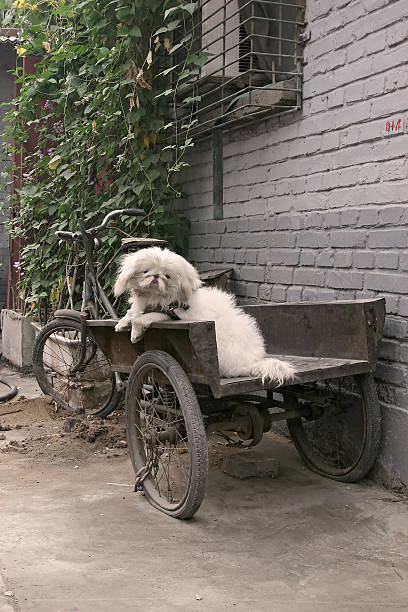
(9, 394)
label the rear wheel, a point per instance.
(340, 437)
(56, 352)
(166, 436)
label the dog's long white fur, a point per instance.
(159, 277)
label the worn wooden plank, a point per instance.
(308, 369)
(328, 329)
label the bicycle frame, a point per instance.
(93, 288)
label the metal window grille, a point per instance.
(253, 68)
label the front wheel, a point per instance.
(340, 436)
(166, 436)
(90, 387)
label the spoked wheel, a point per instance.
(56, 355)
(166, 435)
(340, 436)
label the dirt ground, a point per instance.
(74, 537)
(35, 429)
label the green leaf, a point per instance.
(135, 32)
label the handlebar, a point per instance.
(130, 212)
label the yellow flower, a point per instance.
(34, 7)
(46, 46)
(21, 51)
(153, 137)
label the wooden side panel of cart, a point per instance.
(322, 339)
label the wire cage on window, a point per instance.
(252, 51)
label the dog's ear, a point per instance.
(197, 283)
(190, 282)
(122, 280)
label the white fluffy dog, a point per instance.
(162, 283)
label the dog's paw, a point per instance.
(122, 324)
(136, 333)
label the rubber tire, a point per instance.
(370, 451)
(41, 377)
(193, 419)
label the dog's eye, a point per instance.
(167, 275)
(145, 271)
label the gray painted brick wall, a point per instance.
(7, 62)
(315, 203)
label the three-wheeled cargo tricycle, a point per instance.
(175, 395)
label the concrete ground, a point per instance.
(71, 542)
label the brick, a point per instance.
(306, 276)
(343, 259)
(392, 283)
(251, 256)
(404, 261)
(251, 290)
(324, 259)
(395, 79)
(312, 239)
(392, 238)
(354, 92)
(282, 276)
(335, 98)
(389, 350)
(238, 288)
(393, 304)
(387, 260)
(257, 224)
(264, 293)
(314, 219)
(331, 219)
(278, 294)
(307, 258)
(349, 217)
(336, 59)
(293, 222)
(403, 311)
(283, 239)
(287, 257)
(330, 141)
(363, 259)
(374, 86)
(252, 273)
(368, 217)
(294, 294)
(344, 279)
(312, 294)
(231, 241)
(347, 239)
(350, 136)
(369, 173)
(229, 255)
(392, 374)
(394, 170)
(240, 256)
(397, 34)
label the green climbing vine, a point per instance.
(101, 111)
